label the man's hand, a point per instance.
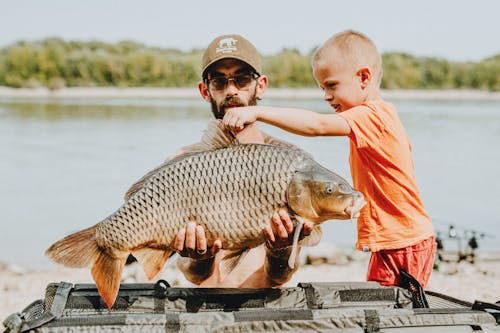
(278, 247)
(280, 233)
(192, 242)
(236, 118)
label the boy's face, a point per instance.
(342, 85)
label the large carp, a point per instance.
(231, 189)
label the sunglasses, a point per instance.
(242, 82)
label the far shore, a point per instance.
(276, 93)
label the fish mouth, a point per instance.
(354, 209)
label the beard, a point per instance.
(231, 101)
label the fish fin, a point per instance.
(216, 136)
(314, 238)
(295, 245)
(140, 183)
(79, 249)
(107, 272)
(230, 260)
(271, 140)
(151, 260)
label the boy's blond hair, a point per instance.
(353, 49)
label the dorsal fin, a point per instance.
(215, 136)
(138, 184)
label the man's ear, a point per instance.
(204, 92)
(261, 86)
(365, 76)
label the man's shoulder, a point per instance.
(183, 150)
(271, 140)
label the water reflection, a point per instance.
(66, 163)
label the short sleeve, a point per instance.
(366, 125)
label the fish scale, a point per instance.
(225, 197)
(231, 189)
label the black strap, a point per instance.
(493, 309)
(161, 291)
(407, 281)
(310, 296)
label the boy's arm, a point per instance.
(298, 121)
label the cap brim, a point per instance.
(222, 58)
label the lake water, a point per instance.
(65, 164)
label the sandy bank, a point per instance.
(465, 281)
(277, 93)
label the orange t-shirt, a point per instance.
(382, 169)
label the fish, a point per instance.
(229, 188)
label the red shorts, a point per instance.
(418, 260)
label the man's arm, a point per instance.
(279, 247)
(196, 261)
(298, 121)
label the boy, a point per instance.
(393, 225)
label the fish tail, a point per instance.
(107, 271)
(81, 250)
(76, 250)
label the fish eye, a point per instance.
(329, 189)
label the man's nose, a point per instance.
(231, 88)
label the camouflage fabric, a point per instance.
(309, 307)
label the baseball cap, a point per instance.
(231, 46)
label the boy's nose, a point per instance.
(328, 97)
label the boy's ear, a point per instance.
(365, 76)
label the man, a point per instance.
(232, 77)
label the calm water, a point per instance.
(65, 164)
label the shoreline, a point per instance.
(272, 93)
(465, 281)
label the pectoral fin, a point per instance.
(151, 260)
(295, 245)
(230, 260)
(314, 238)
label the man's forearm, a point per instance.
(196, 271)
(276, 265)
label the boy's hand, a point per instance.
(191, 242)
(236, 118)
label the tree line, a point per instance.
(55, 63)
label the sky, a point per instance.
(454, 30)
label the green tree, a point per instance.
(289, 69)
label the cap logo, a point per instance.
(226, 45)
